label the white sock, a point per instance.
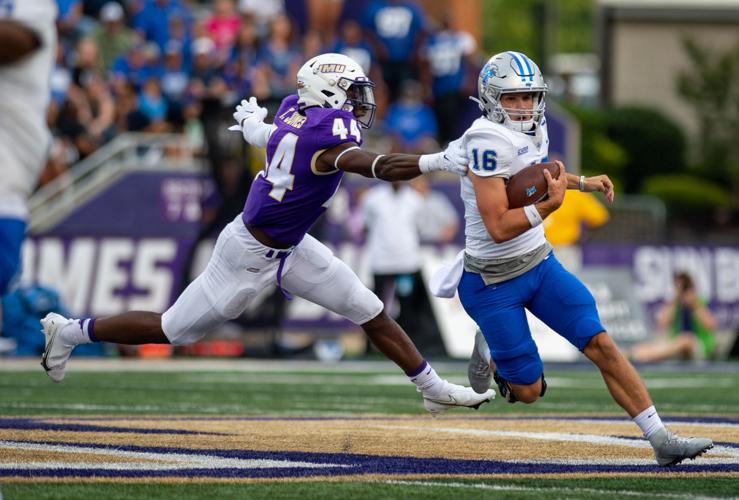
(649, 421)
(76, 333)
(426, 380)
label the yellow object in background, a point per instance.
(564, 225)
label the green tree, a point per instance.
(538, 28)
(711, 86)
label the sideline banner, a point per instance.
(126, 248)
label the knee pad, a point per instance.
(505, 388)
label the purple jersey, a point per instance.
(288, 196)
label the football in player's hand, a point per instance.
(529, 185)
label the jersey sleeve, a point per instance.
(489, 154)
(336, 127)
(38, 16)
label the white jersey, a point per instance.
(25, 139)
(496, 151)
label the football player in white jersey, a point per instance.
(27, 50)
(509, 265)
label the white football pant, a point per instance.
(241, 267)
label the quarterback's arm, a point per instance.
(600, 183)
(349, 157)
(16, 41)
(504, 223)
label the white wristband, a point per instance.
(431, 163)
(532, 214)
(374, 164)
(581, 183)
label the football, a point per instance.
(529, 185)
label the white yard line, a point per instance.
(567, 490)
(149, 461)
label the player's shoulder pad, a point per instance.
(485, 139)
(331, 127)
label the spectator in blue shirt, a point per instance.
(411, 123)
(241, 67)
(449, 57)
(396, 27)
(279, 61)
(352, 44)
(132, 67)
(152, 21)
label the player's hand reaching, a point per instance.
(248, 113)
(452, 159)
(250, 118)
(602, 184)
(456, 158)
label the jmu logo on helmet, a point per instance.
(331, 68)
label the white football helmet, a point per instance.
(336, 81)
(506, 73)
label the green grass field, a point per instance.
(355, 402)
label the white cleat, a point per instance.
(478, 370)
(453, 396)
(670, 449)
(56, 353)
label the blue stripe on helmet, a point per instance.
(518, 62)
(528, 65)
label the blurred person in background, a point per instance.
(438, 221)
(111, 35)
(687, 326)
(175, 80)
(153, 104)
(153, 20)
(410, 123)
(243, 61)
(69, 19)
(84, 60)
(100, 113)
(179, 32)
(566, 227)
(222, 26)
(390, 214)
(279, 60)
(261, 13)
(28, 38)
(312, 44)
(352, 43)
(396, 29)
(449, 57)
(315, 138)
(132, 67)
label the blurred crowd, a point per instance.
(178, 65)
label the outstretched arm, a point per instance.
(600, 183)
(393, 167)
(16, 42)
(250, 119)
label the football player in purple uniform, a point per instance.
(315, 138)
